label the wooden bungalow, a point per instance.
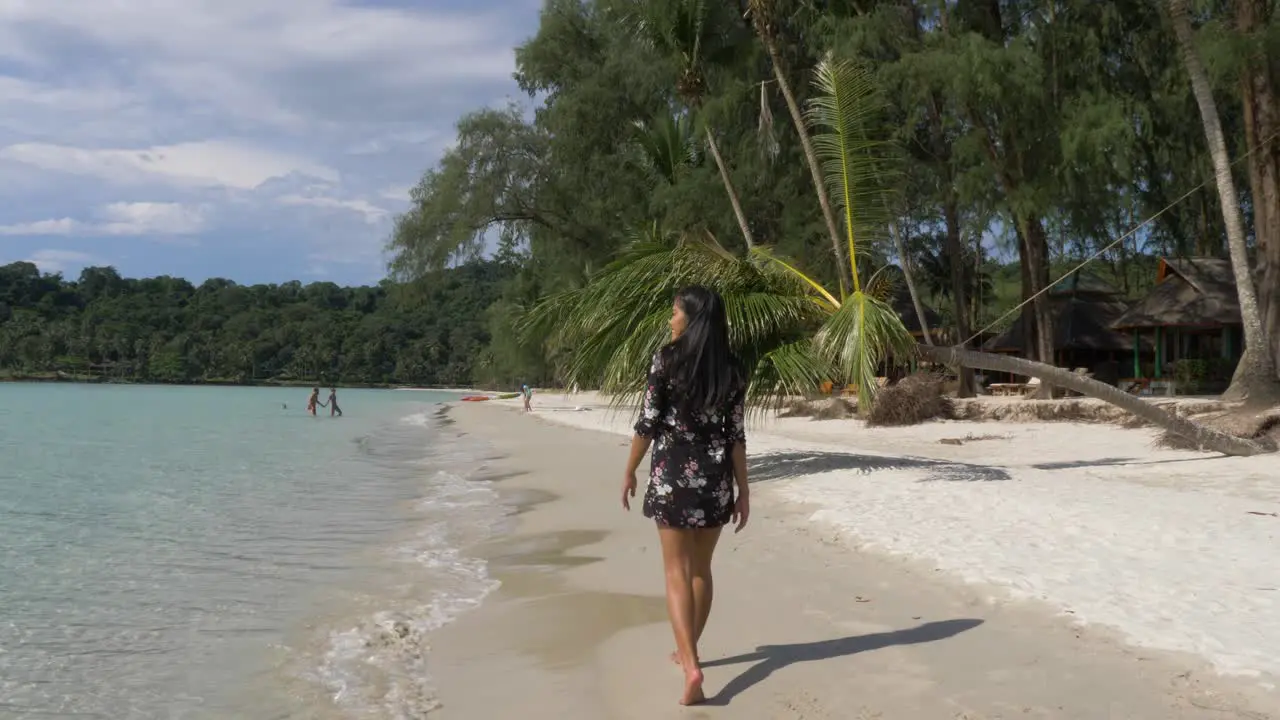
(901, 304)
(1192, 313)
(1085, 309)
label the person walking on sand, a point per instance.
(692, 416)
(527, 392)
(313, 401)
(333, 403)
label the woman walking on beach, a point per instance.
(693, 417)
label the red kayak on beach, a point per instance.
(475, 398)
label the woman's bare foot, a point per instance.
(692, 687)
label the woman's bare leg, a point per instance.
(704, 547)
(678, 549)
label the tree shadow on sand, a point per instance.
(769, 659)
(778, 466)
(1114, 462)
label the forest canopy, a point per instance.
(432, 331)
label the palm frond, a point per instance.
(619, 319)
(883, 283)
(859, 336)
(765, 129)
(666, 146)
(772, 258)
(843, 112)
(787, 370)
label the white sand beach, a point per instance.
(1049, 570)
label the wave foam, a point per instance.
(378, 667)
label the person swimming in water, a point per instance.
(313, 401)
(333, 403)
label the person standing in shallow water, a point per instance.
(333, 403)
(313, 401)
(692, 416)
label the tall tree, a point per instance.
(1255, 379)
(1261, 108)
(688, 30)
(766, 18)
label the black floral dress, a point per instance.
(691, 481)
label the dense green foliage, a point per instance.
(431, 331)
(1028, 136)
(1031, 135)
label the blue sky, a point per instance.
(260, 140)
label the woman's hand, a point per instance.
(628, 489)
(741, 511)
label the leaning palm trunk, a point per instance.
(901, 247)
(1255, 376)
(731, 190)
(810, 157)
(1204, 438)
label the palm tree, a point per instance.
(618, 320)
(681, 29)
(909, 275)
(861, 329)
(666, 146)
(1255, 377)
(763, 15)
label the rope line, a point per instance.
(1117, 241)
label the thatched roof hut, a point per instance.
(1189, 293)
(901, 304)
(1084, 309)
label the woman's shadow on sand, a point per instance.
(771, 658)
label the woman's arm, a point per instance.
(739, 458)
(652, 411)
(738, 436)
(639, 446)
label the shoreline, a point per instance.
(807, 624)
(90, 380)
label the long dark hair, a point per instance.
(700, 363)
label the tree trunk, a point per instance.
(811, 158)
(1205, 438)
(901, 247)
(1036, 246)
(733, 192)
(1261, 124)
(959, 300)
(1255, 377)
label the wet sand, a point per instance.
(803, 627)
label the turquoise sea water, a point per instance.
(182, 552)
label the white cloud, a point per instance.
(120, 219)
(82, 99)
(210, 163)
(399, 193)
(371, 213)
(56, 261)
(288, 130)
(270, 59)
